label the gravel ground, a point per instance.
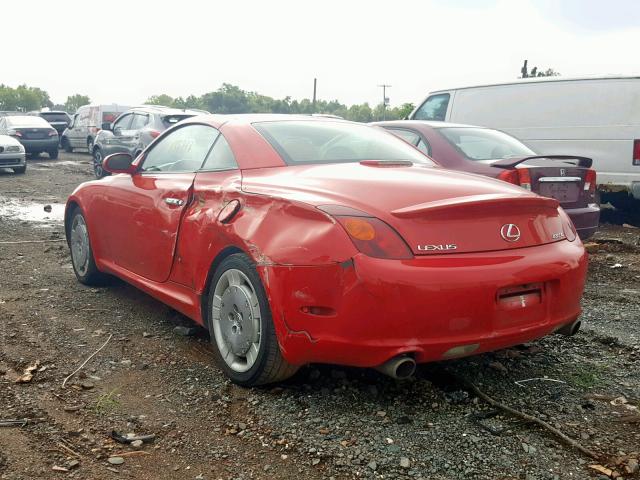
(328, 421)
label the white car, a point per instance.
(595, 117)
(12, 154)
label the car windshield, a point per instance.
(302, 142)
(54, 117)
(26, 121)
(484, 143)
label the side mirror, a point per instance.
(106, 126)
(119, 163)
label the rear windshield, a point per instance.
(24, 121)
(55, 117)
(484, 143)
(109, 116)
(302, 142)
(170, 120)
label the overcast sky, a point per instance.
(125, 51)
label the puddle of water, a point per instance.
(31, 211)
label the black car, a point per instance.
(57, 119)
(34, 133)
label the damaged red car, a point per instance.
(297, 240)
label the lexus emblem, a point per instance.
(510, 232)
(563, 172)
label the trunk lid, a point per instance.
(434, 210)
(561, 177)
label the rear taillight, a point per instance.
(520, 176)
(370, 235)
(14, 133)
(52, 133)
(510, 176)
(590, 180)
(154, 133)
(525, 178)
(636, 152)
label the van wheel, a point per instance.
(242, 333)
(66, 145)
(20, 169)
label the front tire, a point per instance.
(82, 260)
(240, 325)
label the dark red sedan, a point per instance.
(298, 240)
(496, 154)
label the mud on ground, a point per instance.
(327, 421)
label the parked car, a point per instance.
(8, 113)
(58, 119)
(297, 239)
(86, 123)
(595, 117)
(34, 133)
(134, 130)
(489, 152)
(12, 154)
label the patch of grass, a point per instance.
(106, 403)
(585, 379)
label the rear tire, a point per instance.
(20, 170)
(53, 154)
(66, 145)
(82, 260)
(98, 171)
(244, 340)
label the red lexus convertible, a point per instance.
(300, 239)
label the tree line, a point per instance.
(25, 99)
(227, 99)
(232, 99)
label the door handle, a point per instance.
(174, 201)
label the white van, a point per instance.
(596, 117)
(87, 122)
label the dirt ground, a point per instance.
(327, 422)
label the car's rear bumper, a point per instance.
(12, 159)
(39, 145)
(369, 310)
(585, 219)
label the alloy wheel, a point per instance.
(236, 320)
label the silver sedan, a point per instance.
(12, 154)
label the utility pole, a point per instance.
(315, 84)
(385, 100)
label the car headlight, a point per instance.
(14, 148)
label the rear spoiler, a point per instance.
(482, 199)
(584, 162)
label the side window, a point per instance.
(434, 108)
(220, 157)
(407, 135)
(424, 147)
(139, 121)
(414, 139)
(182, 150)
(123, 123)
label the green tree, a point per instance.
(162, 99)
(76, 101)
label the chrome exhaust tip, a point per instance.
(570, 328)
(399, 367)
